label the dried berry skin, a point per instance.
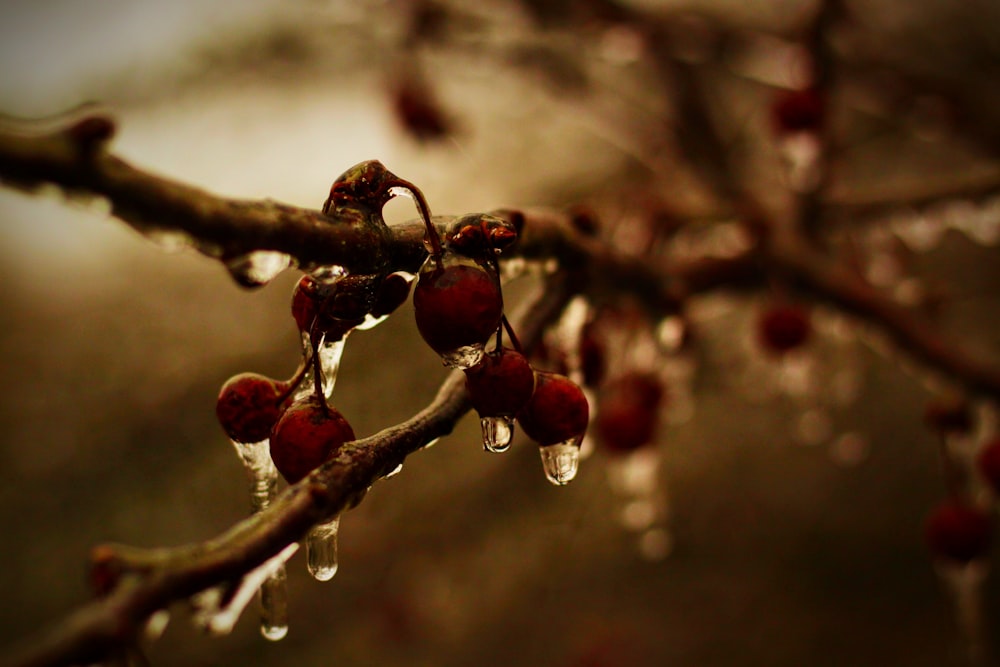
(988, 464)
(557, 412)
(783, 328)
(501, 384)
(249, 404)
(958, 531)
(457, 305)
(306, 436)
(628, 412)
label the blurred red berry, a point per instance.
(988, 463)
(958, 531)
(798, 111)
(557, 412)
(782, 328)
(628, 410)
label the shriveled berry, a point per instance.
(557, 411)
(798, 111)
(958, 531)
(249, 404)
(501, 384)
(988, 463)
(628, 412)
(456, 305)
(784, 327)
(306, 436)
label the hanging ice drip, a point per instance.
(249, 405)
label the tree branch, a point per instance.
(147, 581)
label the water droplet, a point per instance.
(216, 611)
(321, 550)
(639, 514)
(257, 268)
(497, 433)
(463, 357)
(274, 605)
(561, 461)
(156, 625)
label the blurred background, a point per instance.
(778, 519)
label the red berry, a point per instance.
(988, 463)
(557, 412)
(501, 384)
(783, 328)
(457, 305)
(798, 111)
(392, 293)
(249, 404)
(958, 531)
(628, 412)
(418, 111)
(305, 300)
(306, 436)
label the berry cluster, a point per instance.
(458, 307)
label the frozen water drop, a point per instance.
(330, 354)
(257, 268)
(321, 550)
(463, 357)
(328, 274)
(217, 609)
(561, 461)
(274, 605)
(964, 583)
(156, 625)
(395, 471)
(639, 514)
(170, 240)
(497, 433)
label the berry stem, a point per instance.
(425, 212)
(318, 375)
(296, 379)
(510, 334)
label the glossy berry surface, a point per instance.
(628, 412)
(248, 406)
(456, 305)
(557, 411)
(501, 384)
(988, 464)
(783, 328)
(958, 531)
(392, 293)
(798, 111)
(306, 436)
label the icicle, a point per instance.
(321, 550)
(395, 471)
(274, 605)
(257, 268)
(263, 487)
(497, 433)
(561, 461)
(965, 585)
(330, 354)
(217, 612)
